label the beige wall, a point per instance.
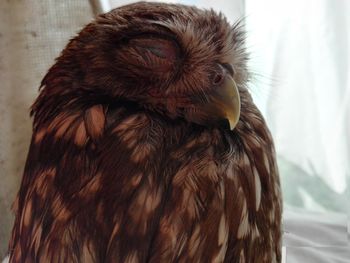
(32, 33)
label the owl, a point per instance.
(147, 147)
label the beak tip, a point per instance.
(233, 124)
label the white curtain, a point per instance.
(301, 54)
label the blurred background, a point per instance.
(300, 59)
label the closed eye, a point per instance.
(162, 48)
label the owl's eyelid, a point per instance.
(160, 52)
(164, 48)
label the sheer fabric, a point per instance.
(300, 54)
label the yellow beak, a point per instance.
(223, 104)
(226, 103)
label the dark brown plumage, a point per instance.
(132, 157)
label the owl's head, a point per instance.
(177, 60)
